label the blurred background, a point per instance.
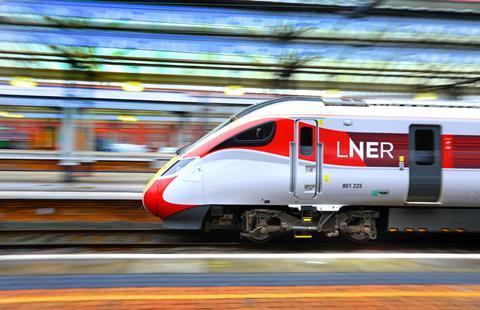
(96, 95)
(84, 79)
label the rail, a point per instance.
(87, 223)
(84, 222)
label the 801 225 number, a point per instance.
(352, 185)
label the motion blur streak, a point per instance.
(96, 96)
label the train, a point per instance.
(340, 167)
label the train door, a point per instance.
(305, 160)
(425, 163)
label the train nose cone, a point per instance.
(151, 199)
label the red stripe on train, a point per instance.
(357, 149)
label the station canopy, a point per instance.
(363, 45)
(449, 6)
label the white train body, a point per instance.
(317, 158)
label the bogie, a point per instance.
(260, 225)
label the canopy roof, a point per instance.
(204, 45)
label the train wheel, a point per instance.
(360, 227)
(358, 237)
(258, 239)
(260, 226)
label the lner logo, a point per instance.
(366, 149)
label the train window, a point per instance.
(257, 135)
(424, 147)
(306, 141)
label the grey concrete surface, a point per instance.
(221, 262)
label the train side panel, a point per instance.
(363, 176)
(246, 177)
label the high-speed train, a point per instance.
(341, 167)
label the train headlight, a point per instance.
(176, 167)
(162, 170)
(171, 167)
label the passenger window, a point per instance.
(424, 147)
(257, 135)
(306, 141)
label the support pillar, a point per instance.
(67, 143)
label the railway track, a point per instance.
(75, 215)
(124, 223)
(132, 238)
(63, 223)
(191, 242)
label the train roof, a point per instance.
(355, 107)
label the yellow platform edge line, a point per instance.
(112, 297)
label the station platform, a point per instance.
(94, 185)
(13, 162)
(240, 281)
